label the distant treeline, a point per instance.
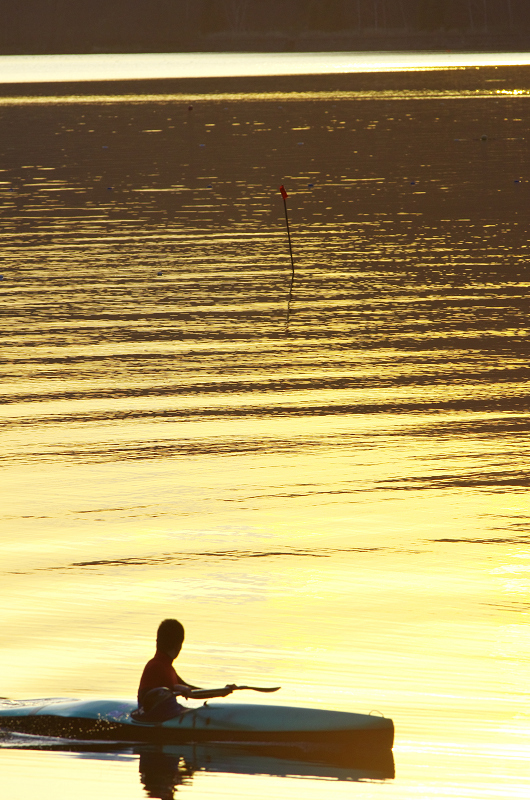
(58, 26)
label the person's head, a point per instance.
(170, 636)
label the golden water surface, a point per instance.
(328, 491)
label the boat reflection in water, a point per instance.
(163, 768)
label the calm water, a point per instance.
(331, 492)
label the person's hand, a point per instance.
(229, 688)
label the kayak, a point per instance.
(110, 720)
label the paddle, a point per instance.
(202, 694)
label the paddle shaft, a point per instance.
(203, 694)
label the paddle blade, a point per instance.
(260, 688)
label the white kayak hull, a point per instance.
(215, 722)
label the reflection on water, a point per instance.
(166, 766)
(161, 774)
(163, 769)
(123, 66)
(338, 506)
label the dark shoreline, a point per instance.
(368, 40)
(509, 78)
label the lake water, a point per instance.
(325, 480)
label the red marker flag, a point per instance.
(284, 193)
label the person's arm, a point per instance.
(182, 687)
(203, 694)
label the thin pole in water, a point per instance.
(285, 196)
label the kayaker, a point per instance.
(160, 683)
(159, 672)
